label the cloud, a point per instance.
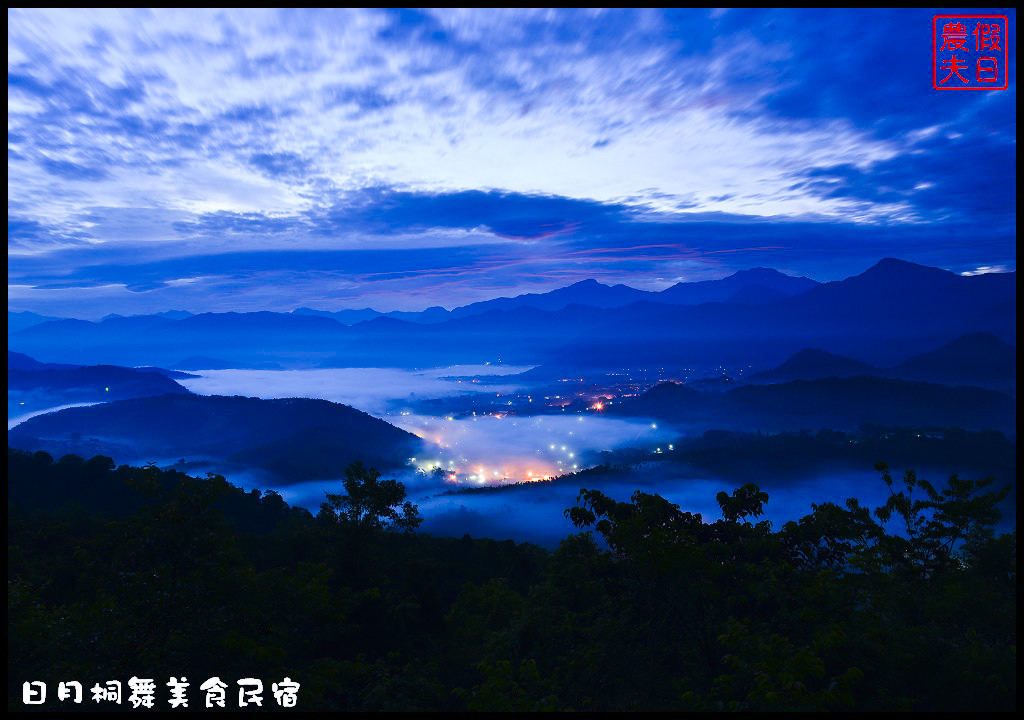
(985, 269)
(425, 99)
(28, 235)
(367, 389)
(980, 190)
(386, 210)
(73, 171)
(402, 264)
(860, 64)
(249, 224)
(547, 145)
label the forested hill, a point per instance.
(33, 386)
(296, 439)
(834, 403)
(96, 383)
(125, 572)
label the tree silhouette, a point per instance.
(115, 568)
(371, 503)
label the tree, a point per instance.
(938, 525)
(371, 503)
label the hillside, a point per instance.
(295, 439)
(979, 359)
(34, 386)
(813, 364)
(836, 403)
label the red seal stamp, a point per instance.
(970, 52)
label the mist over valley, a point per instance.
(492, 423)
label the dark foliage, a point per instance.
(116, 572)
(735, 453)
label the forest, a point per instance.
(124, 572)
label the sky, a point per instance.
(242, 160)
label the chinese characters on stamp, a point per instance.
(970, 52)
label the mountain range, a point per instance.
(754, 285)
(755, 318)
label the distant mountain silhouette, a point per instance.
(108, 382)
(514, 336)
(50, 385)
(585, 292)
(759, 285)
(756, 283)
(166, 315)
(710, 291)
(200, 362)
(433, 314)
(812, 364)
(834, 403)
(979, 359)
(352, 317)
(175, 314)
(297, 439)
(136, 323)
(756, 295)
(172, 374)
(881, 317)
(345, 317)
(66, 326)
(888, 313)
(252, 322)
(240, 339)
(21, 320)
(20, 361)
(899, 297)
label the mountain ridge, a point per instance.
(232, 429)
(883, 316)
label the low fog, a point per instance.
(535, 512)
(16, 419)
(484, 453)
(371, 390)
(466, 451)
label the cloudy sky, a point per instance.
(250, 160)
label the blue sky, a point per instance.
(250, 160)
